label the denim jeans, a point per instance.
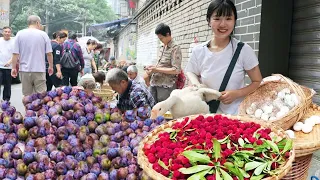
(87, 70)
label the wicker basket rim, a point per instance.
(144, 164)
(298, 89)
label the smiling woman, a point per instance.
(222, 62)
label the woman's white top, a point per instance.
(87, 57)
(212, 66)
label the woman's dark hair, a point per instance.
(92, 42)
(54, 35)
(99, 77)
(73, 36)
(61, 34)
(222, 8)
(99, 46)
(163, 29)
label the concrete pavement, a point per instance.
(16, 97)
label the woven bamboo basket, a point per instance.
(106, 86)
(267, 91)
(300, 167)
(153, 135)
(306, 144)
(105, 94)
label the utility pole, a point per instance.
(47, 16)
(84, 24)
(31, 7)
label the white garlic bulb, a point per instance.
(265, 116)
(258, 113)
(298, 126)
(290, 133)
(310, 121)
(307, 128)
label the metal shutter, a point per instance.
(304, 67)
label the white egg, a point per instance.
(272, 118)
(280, 114)
(287, 97)
(258, 113)
(250, 110)
(286, 91)
(285, 109)
(310, 121)
(281, 95)
(316, 118)
(295, 99)
(277, 103)
(290, 133)
(267, 109)
(298, 126)
(307, 128)
(254, 105)
(291, 104)
(265, 116)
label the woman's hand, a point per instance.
(228, 97)
(149, 72)
(151, 68)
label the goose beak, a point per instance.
(154, 114)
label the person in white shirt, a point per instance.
(210, 61)
(31, 45)
(6, 47)
(132, 72)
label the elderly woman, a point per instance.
(134, 77)
(132, 95)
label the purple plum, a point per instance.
(82, 121)
(5, 105)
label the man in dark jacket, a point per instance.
(55, 78)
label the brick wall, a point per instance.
(248, 23)
(187, 19)
(140, 3)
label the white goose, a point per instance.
(185, 102)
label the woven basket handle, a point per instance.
(294, 86)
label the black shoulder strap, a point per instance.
(232, 64)
(214, 104)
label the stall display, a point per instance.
(282, 102)
(305, 145)
(70, 134)
(216, 147)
